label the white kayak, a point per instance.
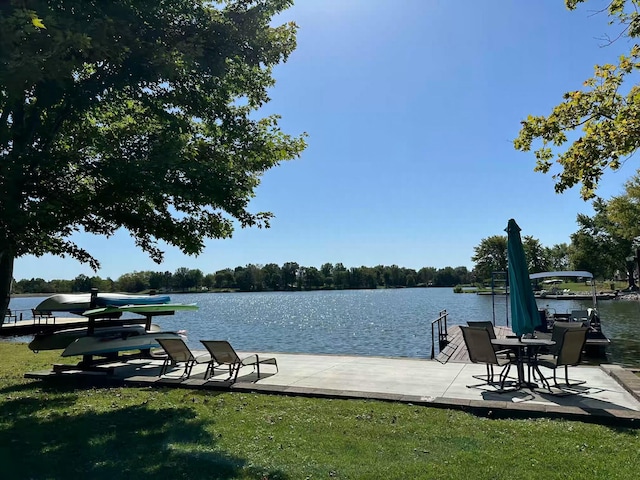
(116, 342)
(63, 338)
(147, 310)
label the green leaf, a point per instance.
(37, 22)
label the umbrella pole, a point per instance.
(506, 299)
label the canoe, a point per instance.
(63, 338)
(163, 309)
(79, 302)
(116, 342)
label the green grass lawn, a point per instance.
(48, 430)
(583, 287)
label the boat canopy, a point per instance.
(568, 273)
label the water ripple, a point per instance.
(393, 323)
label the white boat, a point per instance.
(115, 342)
(554, 295)
(596, 340)
(80, 302)
(567, 274)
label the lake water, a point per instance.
(393, 322)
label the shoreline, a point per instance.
(626, 296)
(634, 296)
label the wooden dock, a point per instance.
(456, 351)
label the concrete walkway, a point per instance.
(610, 394)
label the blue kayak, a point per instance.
(79, 302)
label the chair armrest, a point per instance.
(250, 360)
(203, 358)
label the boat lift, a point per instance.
(500, 282)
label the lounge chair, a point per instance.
(223, 353)
(480, 348)
(179, 352)
(568, 353)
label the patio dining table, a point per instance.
(526, 349)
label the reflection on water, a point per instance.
(623, 328)
(364, 322)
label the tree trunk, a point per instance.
(6, 278)
(631, 270)
(636, 265)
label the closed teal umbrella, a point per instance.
(524, 310)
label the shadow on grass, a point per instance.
(41, 440)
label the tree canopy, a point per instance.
(490, 256)
(624, 211)
(606, 114)
(135, 114)
(596, 247)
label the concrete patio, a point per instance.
(610, 394)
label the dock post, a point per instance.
(92, 304)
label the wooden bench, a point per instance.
(39, 316)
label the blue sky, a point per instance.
(411, 107)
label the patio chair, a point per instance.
(569, 324)
(483, 324)
(223, 353)
(558, 331)
(568, 353)
(488, 325)
(178, 352)
(581, 316)
(481, 350)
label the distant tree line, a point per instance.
(257, 278)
